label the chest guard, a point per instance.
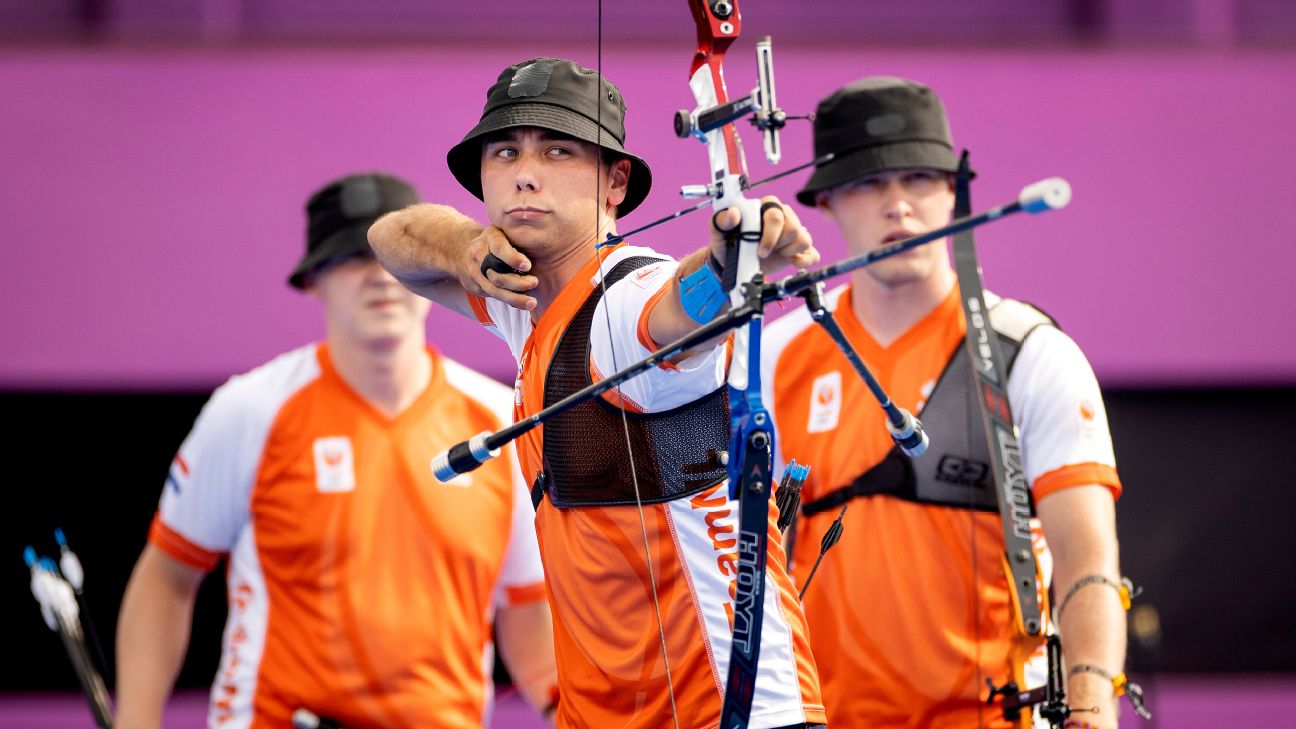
(955, 472)
(677, 452)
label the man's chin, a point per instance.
(895, 274)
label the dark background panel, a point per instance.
(1205, 521)
(94, 465)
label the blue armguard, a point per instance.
(701, 295)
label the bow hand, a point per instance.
(782, 239)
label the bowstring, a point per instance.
(625, 423)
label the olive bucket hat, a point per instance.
(877, 124)
(560, 96)
(339, 214)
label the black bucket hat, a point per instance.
(561, 96)
(877, 124)
(339, 214)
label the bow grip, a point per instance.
(741, 261)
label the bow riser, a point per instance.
(718, 24)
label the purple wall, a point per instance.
(151, 197)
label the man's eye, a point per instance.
(559, 151)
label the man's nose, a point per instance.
(524, 173)
(895, 199)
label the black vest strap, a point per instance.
(956, 471)
(893, 475)
(677, 453)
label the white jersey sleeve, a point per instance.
(509, 324)
(521, 575)
(522, 570)
(1058, 406)
(206, 496)
(619, 337)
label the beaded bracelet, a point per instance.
(1121, 686)
(1125, 588)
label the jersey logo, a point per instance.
(1087, 410)
(646, 275)
(334, 465)
(825, 402)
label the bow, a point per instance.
(1012, 495)
(751, 437)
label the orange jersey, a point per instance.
(910, 612)
(359, 587)
(610, 667)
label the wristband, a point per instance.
(700, 293)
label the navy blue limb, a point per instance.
(753, 524)
(905, 429)
(751, 481)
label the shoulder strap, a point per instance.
(1014, 321)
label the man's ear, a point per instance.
(823, 201)
(618, 181)
(310, 288)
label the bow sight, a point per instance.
(761, 103)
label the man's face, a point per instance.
(539, 188)
(364, 304)
(880, 209)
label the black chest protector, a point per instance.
(955, 471)
(676, 452)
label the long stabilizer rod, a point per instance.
(1053, 193)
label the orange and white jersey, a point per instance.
(359, 587)
(610, 666)
(913, 596)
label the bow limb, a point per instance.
(719, 23)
